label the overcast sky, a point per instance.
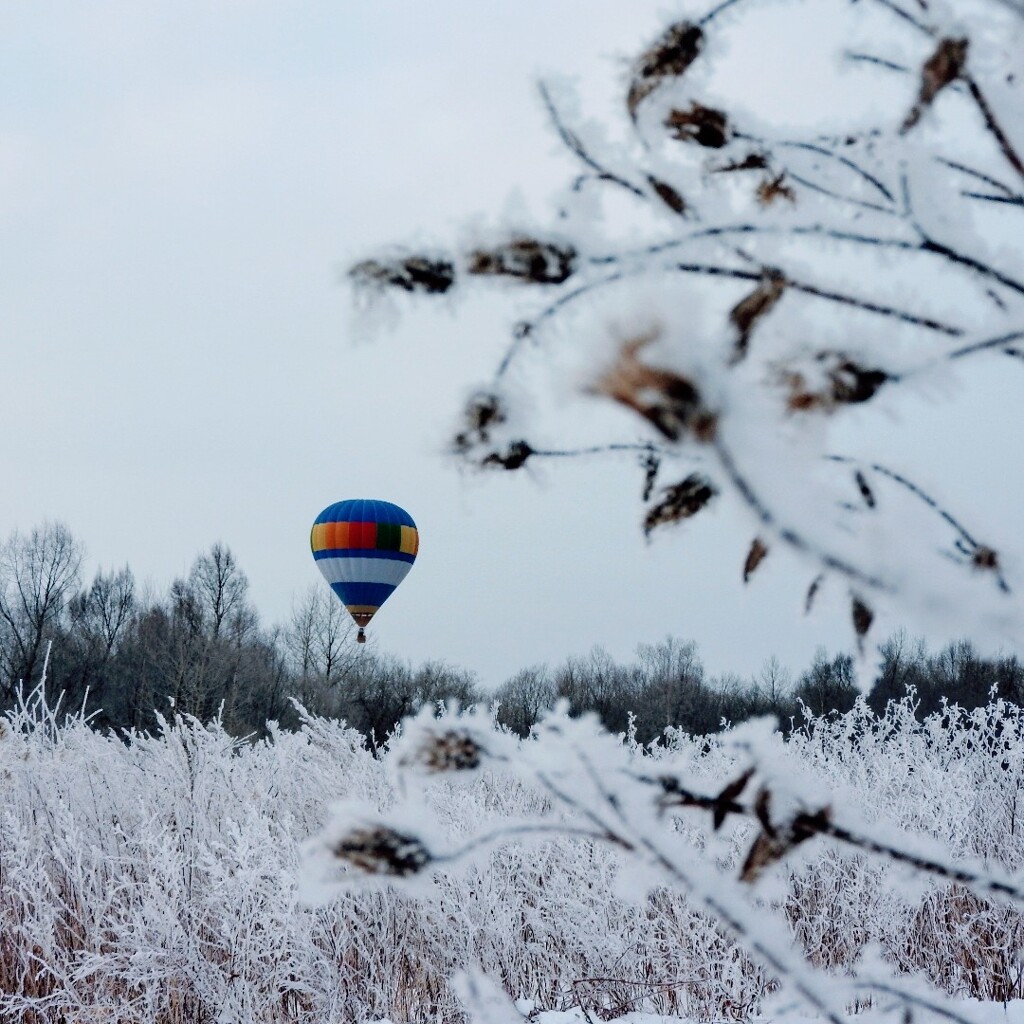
(181, 186)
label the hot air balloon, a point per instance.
(364, 548)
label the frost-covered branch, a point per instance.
(774, 276)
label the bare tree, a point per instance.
(673, 681)
(773, 685)
(774, 282)
(827, 686)
(320, 637)
(597, 683)
(524, 698)
(38, 573)
(102, 612)
(220, 587)
(99, 620)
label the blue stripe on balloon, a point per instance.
(399, 556)
(373, 594)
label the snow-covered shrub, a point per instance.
(162, 878)
(883, 846)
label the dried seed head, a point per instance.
(771, 189)
(846, 383)
(456, 750)
(680, 501)
(704, 125)
(667, 400)
(379, 850)
(669, 57)
(525, 259)
(483, 411)
(412, 274)
(985, 558)
(852, 383)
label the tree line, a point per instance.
(667, 685)
(127, 656)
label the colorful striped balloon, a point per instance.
(364, 548)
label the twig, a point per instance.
(527, 328)
(993, 126)
(787, 534)
(822, 293)
(974, 173)
(869, 58)
(906, 16)
(948, 517)
(990, 343)
(923, 244)
(812, 147)
(573, 143)
(976, 880)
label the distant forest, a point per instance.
(128, 657)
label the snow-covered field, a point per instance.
(158, 879)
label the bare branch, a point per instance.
(995, 129)
(575, 145)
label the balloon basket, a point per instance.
(361, 636)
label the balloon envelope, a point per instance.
(364, 548)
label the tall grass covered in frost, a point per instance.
(154, 880)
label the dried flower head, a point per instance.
(525, 259)
(454, 750)
(669, 57)
(985, 558)
(412, 274)
(846, 383)
(704, 125)
(667, 400)
(852, 383)
(379, 850)
(483, 411)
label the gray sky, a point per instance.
(181, 184)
